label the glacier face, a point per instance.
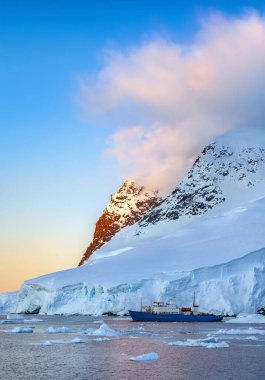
(236, 286)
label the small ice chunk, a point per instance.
(151, 356)
(22, 330)
(46, 343)
(103, 330)
(209, 342)
(99, 321)
(58, 330)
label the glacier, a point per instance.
(234, 287)
(189, 242)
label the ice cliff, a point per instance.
(237, 286)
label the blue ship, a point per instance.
(142, 316)
(170, 312)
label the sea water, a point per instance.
(83, 347)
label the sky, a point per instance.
(92, 93)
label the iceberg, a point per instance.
(103, 330)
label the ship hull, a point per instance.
(141, 316)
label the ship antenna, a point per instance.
(194, 300)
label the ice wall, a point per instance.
(237, 286)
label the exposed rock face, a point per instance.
(216, 171)
(127, 206)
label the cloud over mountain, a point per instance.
(172, 98)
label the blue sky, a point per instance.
(55, 180)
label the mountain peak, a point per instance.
(126, 207)
(226, 169)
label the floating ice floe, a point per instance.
(247, 318)
(9, 321)
(102, 339)
(22, 330)
(249, 331)
(103, 330)
(121, 319)
(51, 342)
(251, 338)
(151, 356)
(58, 330)
(33, 320)
(99, 321)
(15, 317)
(209, 342)
(12, 319)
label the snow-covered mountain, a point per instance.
(208, 235)
(126, 207)
(225, 166)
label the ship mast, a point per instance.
(195, 307)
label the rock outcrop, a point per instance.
(127, 206)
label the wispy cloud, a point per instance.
(173, 98)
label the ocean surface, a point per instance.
(88, 349)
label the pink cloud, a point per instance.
(180, 96)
